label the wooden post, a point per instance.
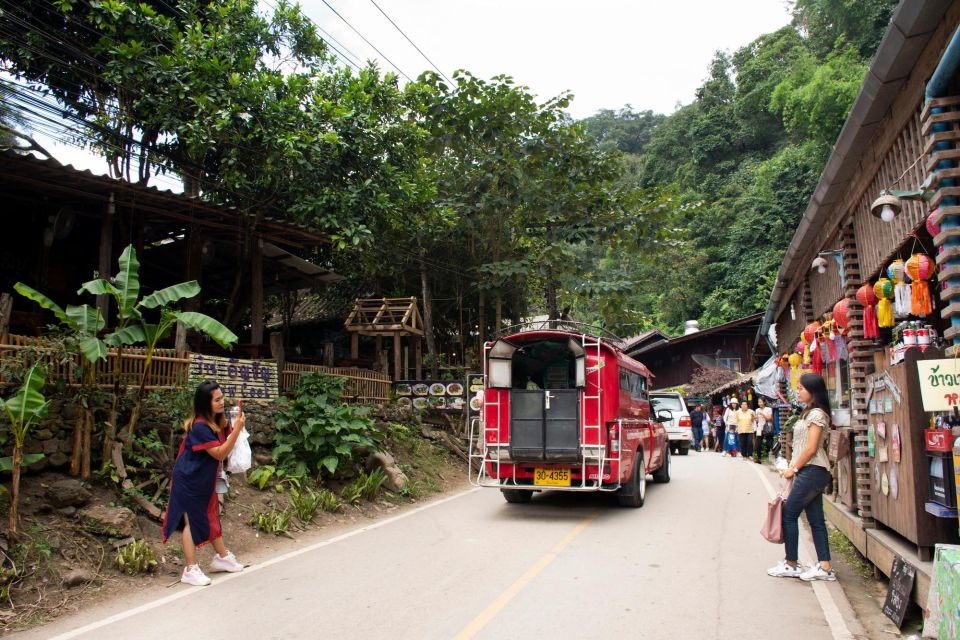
(418, 357)
(396, 356)
(6, 310)
(106, 255)
(276, 350)
(256, 303)
(192, 270)
(354, 346)
(328, 355)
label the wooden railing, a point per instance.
(362, 385)
(168, 368)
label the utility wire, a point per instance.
(399, 70)
(442, 74)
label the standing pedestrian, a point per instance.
(764, 434)
(718, 429)
(810, 470)
(730, 426)
(707, 441)
(745, 429)
(696, 425)
(193, 507)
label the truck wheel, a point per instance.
(684, 448)
(633, 494)
(516, 496)
(662, 475)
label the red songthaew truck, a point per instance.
(564, 409)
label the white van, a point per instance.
(679, 429)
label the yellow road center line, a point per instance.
(478, 623)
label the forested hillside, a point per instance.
(488, 203)
(744, 159)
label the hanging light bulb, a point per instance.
(886, 207)
(887, 213)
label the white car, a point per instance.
(679, 428)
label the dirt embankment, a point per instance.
(65, 553)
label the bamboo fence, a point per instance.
(363, 386)
(168, 369)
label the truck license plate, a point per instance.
(551, 477)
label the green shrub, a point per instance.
(317, 431)
(366, 486)
(136, 558)
(271, 520)
(305, 503)
(329, 502)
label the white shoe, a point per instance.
(816, 572)
(195, 576)
(784, 570)
(226, 563)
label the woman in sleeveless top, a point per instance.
(810, 470)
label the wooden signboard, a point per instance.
(902, 577)
(238, 379)
(939, 383)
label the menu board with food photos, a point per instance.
(474, 386)
(435, 395)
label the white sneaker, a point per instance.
(226, 563)
(195, 576)
(784, 570)
(816, 572)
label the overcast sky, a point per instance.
(651, 54)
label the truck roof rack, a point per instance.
(563, 325)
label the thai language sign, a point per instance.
(939, 383)
(239, 379)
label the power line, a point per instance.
(399, 70)
(411, 42)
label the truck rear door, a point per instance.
(544, 425)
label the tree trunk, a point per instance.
(427, 311)
(498, 314)
(85, 444)
(551, 293)
(15, 490)
(77, 452)
(482, 321)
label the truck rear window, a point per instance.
(672, 403)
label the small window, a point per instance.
(730, 363)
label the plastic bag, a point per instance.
(241, 457)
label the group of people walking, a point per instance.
(738, 429)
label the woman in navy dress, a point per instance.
(193, 507)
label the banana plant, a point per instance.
(84, 323)
(23, 409)
(135, 329)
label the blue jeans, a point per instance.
(806, 496)
(697, 437)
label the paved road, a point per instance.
(689, 564)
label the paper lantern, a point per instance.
(810, 332)
(933, 229)
(795, 360)
(841, 313)
(920, 269)
(884, 291)
(867, 298)
(896, 270)
(800, 346)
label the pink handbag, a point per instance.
(772, 528)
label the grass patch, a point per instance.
(271, 521)
(136, 558)
(841, 545)
(366, 486)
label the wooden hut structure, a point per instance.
(387, 318)
(69, 224)
(900, 135)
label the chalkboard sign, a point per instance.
(902, 576)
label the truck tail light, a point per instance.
(684, 421)
(613, 439)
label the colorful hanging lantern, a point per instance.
(867, 298)
(901, 290)
(884, 291)
(841, 314)
(795, 359)
(800, 346)
(810, 332)
(932, 228)
(920, 269)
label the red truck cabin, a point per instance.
(567, 411)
